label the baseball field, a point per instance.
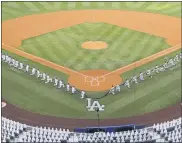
(75, 40)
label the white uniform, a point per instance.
(165, 65)
(49, 79)
(134, 79)
(118, 88)
(149, 73)
(176, 58)
(73, 90)
(67, 87)
(43, 76)
(3, 57)
(157, 69)
(8, 59)
(33, 71)
(171, 62)
(112, 90)
(12, 62)
(180, 55)
(82, 94)
(60, 84)
(127, 83)
(39, 74)
(141, 76)
(21, 66)
(16, 64)
(161, 69)
(55, 81)
(27, 68)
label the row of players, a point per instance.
(168, 64)
(59, 83)
(41, 75)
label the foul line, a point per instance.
(144, 60)
(70, 71)
(41, 60)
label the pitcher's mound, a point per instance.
(94, 80)
(94, 45)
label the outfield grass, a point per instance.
(18, 9)
(31, 94)
(63, 46)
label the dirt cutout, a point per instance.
(94, 81)
(94, 45)
(16, 30)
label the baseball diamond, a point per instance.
(125, 56)
(67, 19)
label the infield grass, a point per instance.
(124, 46)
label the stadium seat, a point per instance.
(169, 131)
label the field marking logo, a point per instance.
(93, 105)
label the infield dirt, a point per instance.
(16, 30)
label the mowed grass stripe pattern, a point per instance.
(18, 9)
(64, 46)
(147, 98)
(152, 94)
(139, 100)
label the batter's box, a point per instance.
(88, 79)
(101, 79)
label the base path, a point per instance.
(15, 30)
(35, 119)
